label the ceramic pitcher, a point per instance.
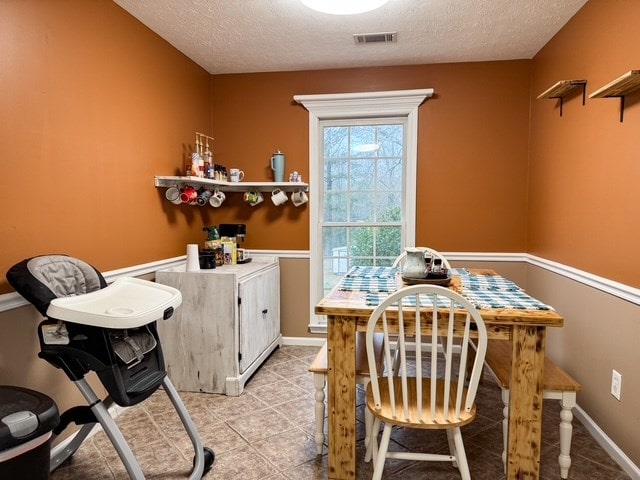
(414, 264)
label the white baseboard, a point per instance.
(607, 444)
(304, 341)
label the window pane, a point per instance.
(336, 174)
(336, 142)
(361, 241)
(388, 242)
(362, 174)
(334, 238)
(388, 206)
(389, 174)
(390, 139)
(361, 207)
(362, 139)
(335, 207)
(335, 259)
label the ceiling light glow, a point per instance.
(344, 7)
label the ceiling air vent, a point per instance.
(382, 37)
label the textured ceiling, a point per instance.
(241, 36)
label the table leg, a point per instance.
(341, 397)
(525, 406)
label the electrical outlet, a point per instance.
(616, 384)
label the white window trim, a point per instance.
(398, 103)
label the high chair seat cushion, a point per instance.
(41, 279)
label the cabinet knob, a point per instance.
(264, 312)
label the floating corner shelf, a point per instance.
(562, 89)
(619, 88)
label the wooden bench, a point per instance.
(319, 369)
(557, 384)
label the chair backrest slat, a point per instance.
(403, 363)
(435, 325)
(389, 379)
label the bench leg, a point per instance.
(567, 402)
(505, 427)
(319, 381)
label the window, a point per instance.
(361, 211)
(351, 124)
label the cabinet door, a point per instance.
(259, 314)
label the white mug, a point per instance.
(299, 197)
(236, 175)
(217, 198)
(278, 197)
(173, 195)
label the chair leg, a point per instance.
(368, 425)
(368, 418)
(373, 439)
(319, 381)
(505, 427)
(452, 447)
(567, 402)
(381, 454)
(461, 456)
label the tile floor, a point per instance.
(267, 434)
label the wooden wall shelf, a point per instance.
(562, 89)
(619, 87)
(171, 181)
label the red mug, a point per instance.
(189, 195)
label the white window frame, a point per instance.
(397, 103)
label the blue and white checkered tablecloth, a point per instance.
(374, 299)
(516, 300)
(458, 271)
(483, 291)
(378, 272)
(480, 299)
(487, 282)
(368, 284)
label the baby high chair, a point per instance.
(111, 330)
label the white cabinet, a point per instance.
(227, 325)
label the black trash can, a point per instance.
(27, 419)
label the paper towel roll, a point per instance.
(193, 258)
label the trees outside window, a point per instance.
(362, 195)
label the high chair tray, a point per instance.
(126, 303)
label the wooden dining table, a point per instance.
(348, 312)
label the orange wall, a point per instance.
(584, 195)
(472, 152)
(92, 106)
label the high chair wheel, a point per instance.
(209, 457)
